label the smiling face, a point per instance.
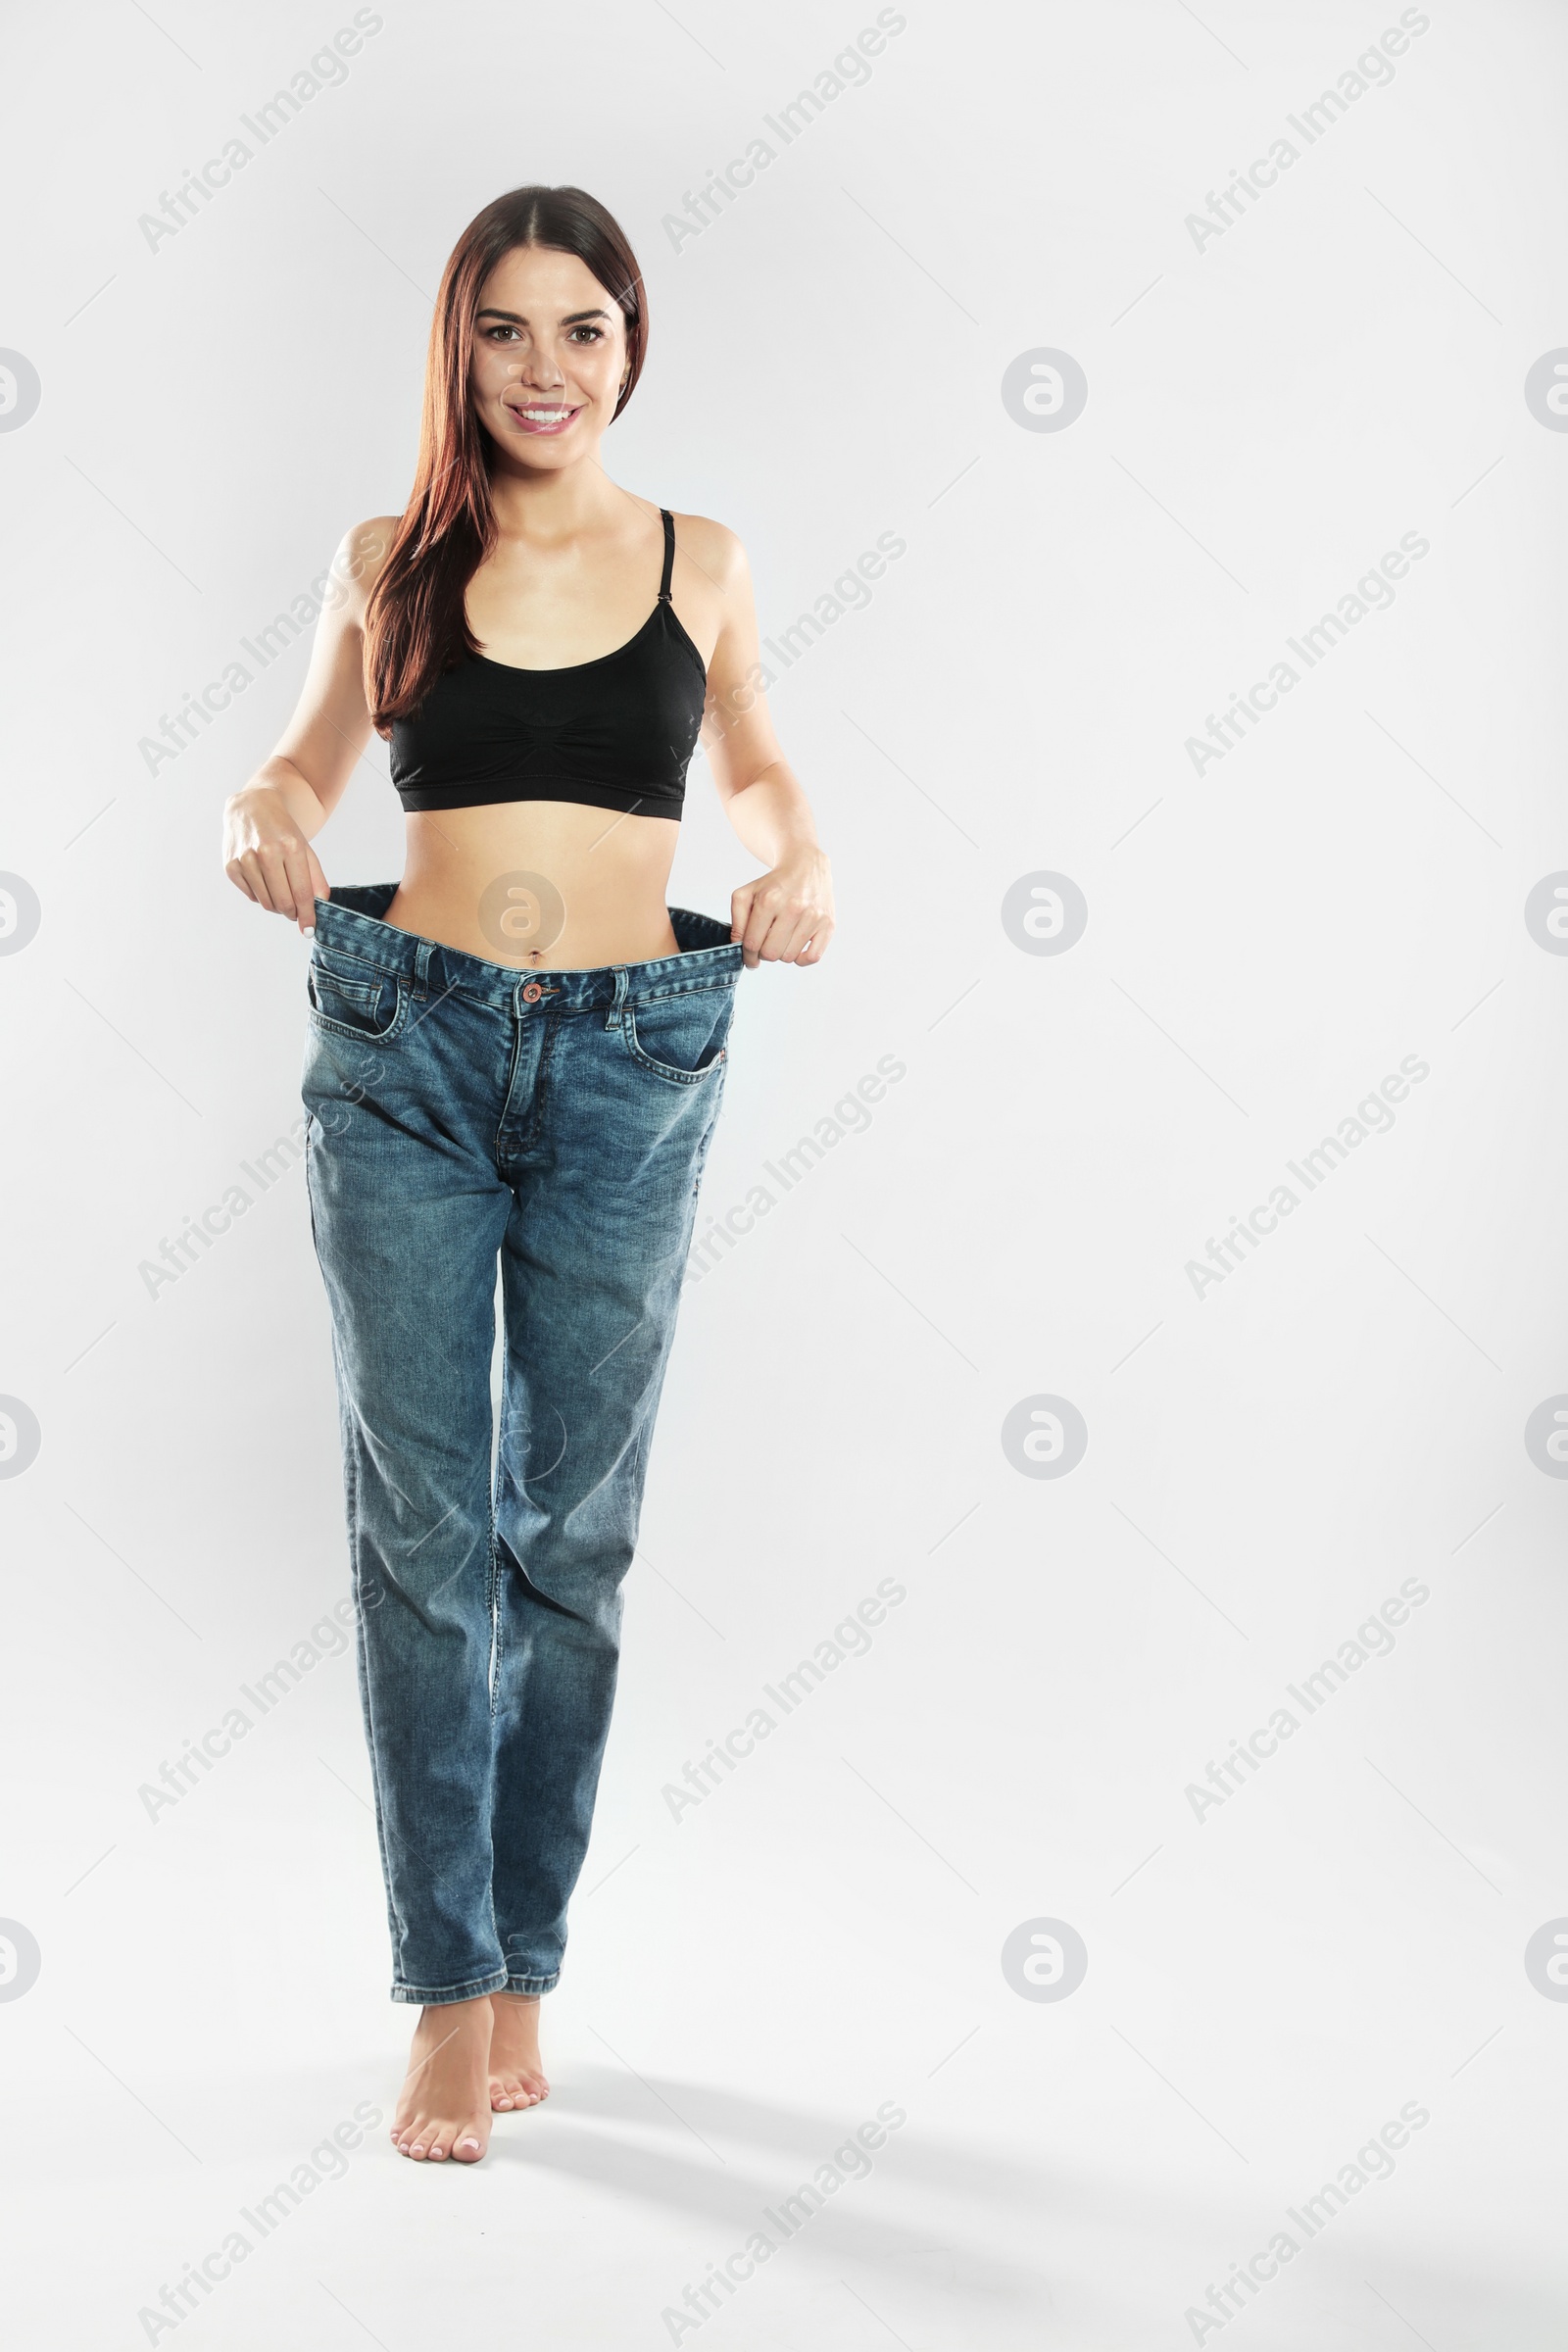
(548, 357)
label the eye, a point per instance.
(595, 334)
(493, 333)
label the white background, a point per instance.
(1268, 1984)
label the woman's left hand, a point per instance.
(785, 916)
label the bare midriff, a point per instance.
(540, 885)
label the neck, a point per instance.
(553, 504)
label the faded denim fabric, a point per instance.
(463, 1113)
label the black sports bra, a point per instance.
(615, 733)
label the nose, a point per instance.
(541, 370)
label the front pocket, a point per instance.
(373, 1008)
(679, 1038)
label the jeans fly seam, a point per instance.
(533, 1119)
(544, 1083)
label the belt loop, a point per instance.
(613, 1019)
(423, 954)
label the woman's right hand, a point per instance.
(268, 856)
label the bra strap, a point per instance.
(669, 555)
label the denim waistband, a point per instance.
(350, 921)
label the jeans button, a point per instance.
(532, 993)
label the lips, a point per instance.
(542, 417)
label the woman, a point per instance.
(517, 1053)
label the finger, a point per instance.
(256, 876)
(297, 865)
(278, 865)
(775, 947)
(760, 921)
(800, 931)
(236, 874)
(749, 930)
(789, 928)
(740, 907)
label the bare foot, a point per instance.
(444, 2108)
(516, 2078)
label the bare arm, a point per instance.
(786, 915)
(270, 822)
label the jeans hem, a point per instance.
(436, 1996)
(498, 1980)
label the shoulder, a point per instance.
(713, 546)
(362, 552)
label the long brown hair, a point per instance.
(415, 621)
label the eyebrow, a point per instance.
(572, 318)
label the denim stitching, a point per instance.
(513, 1072)
(364, 1037)
(665, 1070)
(544, 1091)
(497, 1617)
(394, 1921)
(681, 988)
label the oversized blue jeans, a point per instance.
(464, 1113)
